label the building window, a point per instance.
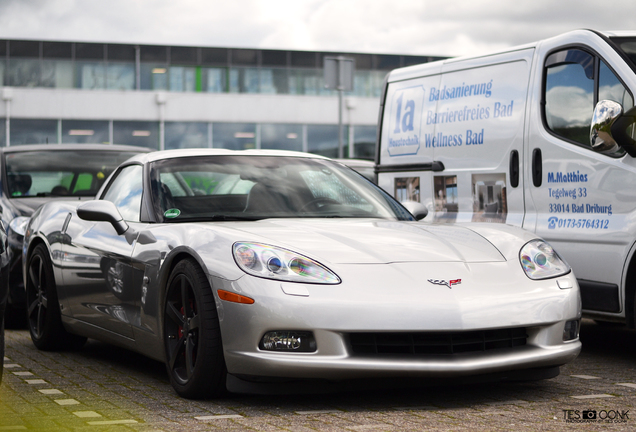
(137, 133)
(234, 136)
(84, 131)
(323, 140)
(3, 132)
(282, 137)
(180, 135)
(364, 138)
(25, 131)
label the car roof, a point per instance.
(172, 154)
(74, 147)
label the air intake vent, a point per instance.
(426, 343)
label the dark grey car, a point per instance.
(32, 175)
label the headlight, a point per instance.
(540, 261)
(271, 262)
(18, 225)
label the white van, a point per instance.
(509, 138)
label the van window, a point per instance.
(573, 87)
(569, 94)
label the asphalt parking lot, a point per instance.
(106, 388)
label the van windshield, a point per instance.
(627, 45)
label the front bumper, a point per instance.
(398, 298)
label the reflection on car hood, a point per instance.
(372, 241)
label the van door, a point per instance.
(479, 119)
(581, 201)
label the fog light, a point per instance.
(288, 341)
(571, 330)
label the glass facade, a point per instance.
(282, 137)
(84, 132)
(94, 66)
(364, 138)
(234, 136)
(3, 132)
(180, 135)
(137, 133)
(28, 131)
(323, 140)
(317, 139)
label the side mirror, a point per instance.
(609, 130)
(418, 210)
(606, 113)
(102, 211)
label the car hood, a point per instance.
(373, 241)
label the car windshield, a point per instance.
(258, 187)
(59, 172)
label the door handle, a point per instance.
(537, 167)
(514, 168)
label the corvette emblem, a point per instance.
(448, 284)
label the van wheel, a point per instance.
(43, 307)
(192, 335)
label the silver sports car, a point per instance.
(269, 264)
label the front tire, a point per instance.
(43, 307)
(192, 335)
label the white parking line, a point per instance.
(50, 391)
(22, 373)
(219, 417)
(588, 377)
(111, 422)
(627, 385)
(36, 381)
(593, 396)
(11, 365)
(66, 402)
(86, 414)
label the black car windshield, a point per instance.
(59, 172)
(246, 187)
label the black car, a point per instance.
(4, 290)
(32, 175)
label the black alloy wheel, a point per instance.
(192, 336)
(43, 308)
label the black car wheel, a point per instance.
(43, 308)
(192, 336)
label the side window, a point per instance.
(125, 192)
(610, 88)
(575, 81)
(569, 94)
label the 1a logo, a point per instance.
(404, 123)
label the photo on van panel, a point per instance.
(446, 202)
(407, 189)
(489, 198)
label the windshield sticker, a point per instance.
(172, 213)
(489, 197)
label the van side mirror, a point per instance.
(418, 210)
(102, 211)
(606, 113)
(609, 129)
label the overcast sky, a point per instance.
(421, 27)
